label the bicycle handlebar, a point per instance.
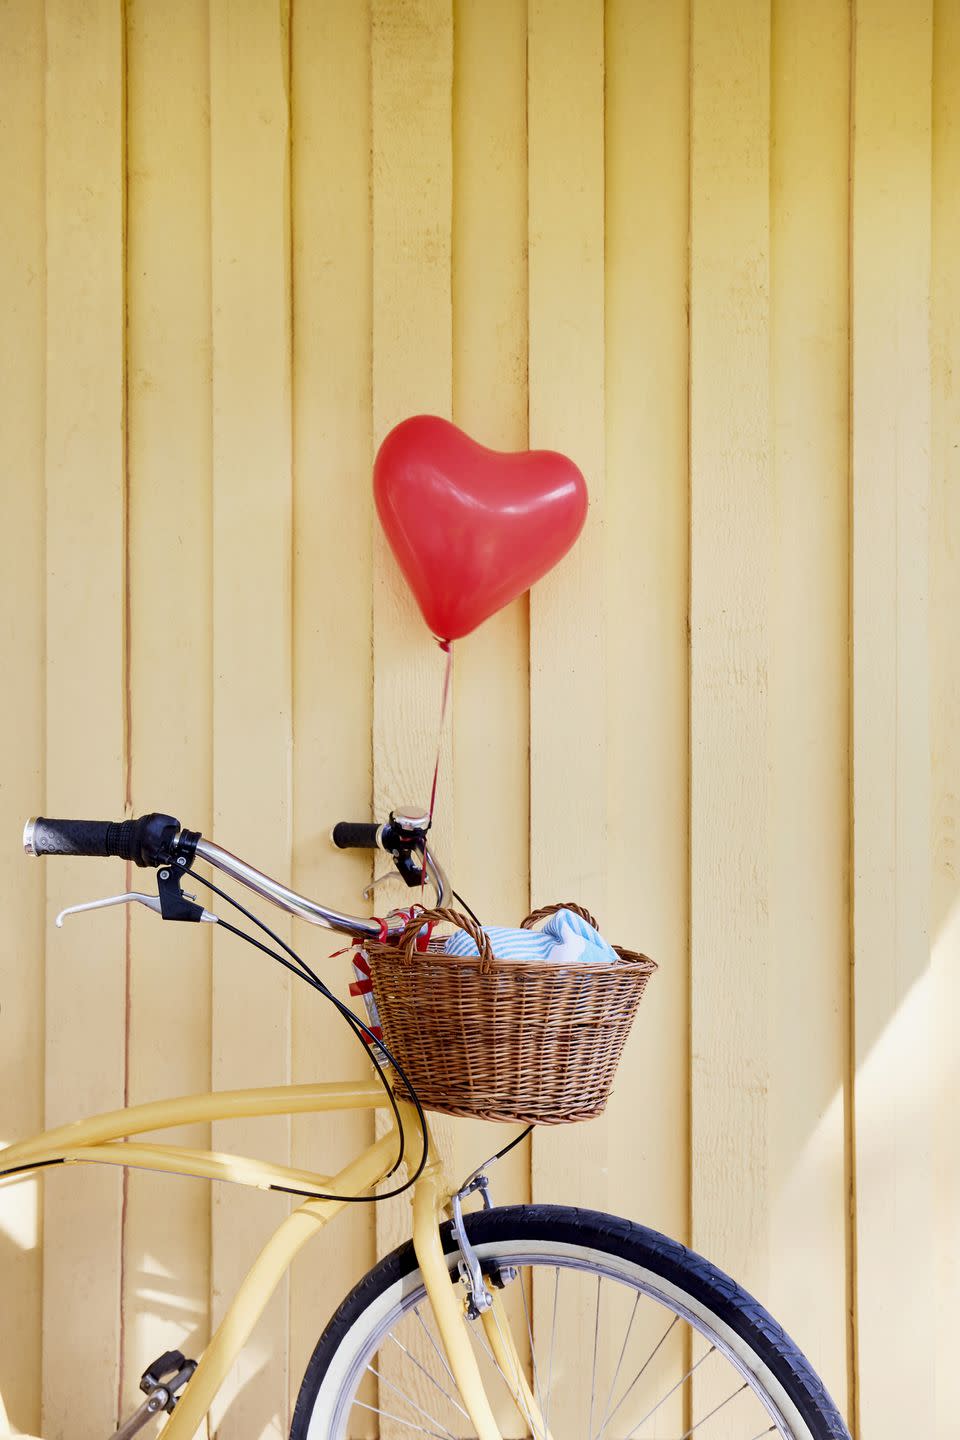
(146, 842)
(155, 840)
(347, 835)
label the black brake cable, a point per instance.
(304, 972)
(492, 1159)
(507, 1148)
(464, 906)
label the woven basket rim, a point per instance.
(399, 949)
(379, 950)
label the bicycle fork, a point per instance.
(428, 1206)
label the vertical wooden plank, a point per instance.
(412, 56)
(491, 722)
(86, 703)
(22, 609)
(491, 719)
(809, 685)
(891, 739)
(412, 70)
(945, 700)
(249, 56)
(333, 538)
(645, 546)
(731, 541)
(647, 180)
(167, 1232)
(568, 694)
(567, 645)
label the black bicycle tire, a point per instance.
(667, 1258)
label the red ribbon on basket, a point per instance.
(363, 984)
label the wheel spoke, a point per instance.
(439, 1353)
(382, 1380)
(481, 1340)
(533, 1350)
(420, 1429)
(553, 1337)
(660, 1343)
(710, 1413)
(672, 1391)
(593, 1375)
(414, 1361)
(616, 1373)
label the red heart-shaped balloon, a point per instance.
(472, 528)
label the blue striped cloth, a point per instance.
(564, 938)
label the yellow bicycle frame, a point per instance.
(105, 1139)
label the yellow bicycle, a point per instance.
(536, 1320)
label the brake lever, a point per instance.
(407, 870)
(367, 891)
(170, 904)
(152, 902)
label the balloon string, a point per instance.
(447, 647)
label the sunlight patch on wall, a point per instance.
(165, 1314)
(896, 1079)
(20, 1211)
(814, 1179)
(946, 974)
(808, 1233)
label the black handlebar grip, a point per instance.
(147, 841)
(68, 837)
(348, 835)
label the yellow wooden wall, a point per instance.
(710, 251)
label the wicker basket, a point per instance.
(505, 1039)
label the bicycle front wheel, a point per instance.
(602, 1330)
